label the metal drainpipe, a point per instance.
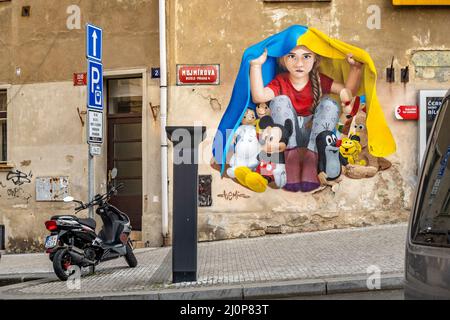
(163, 117)
(2, 237)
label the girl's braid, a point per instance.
(315, 83)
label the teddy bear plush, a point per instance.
(373, 164)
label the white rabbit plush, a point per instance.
(247, 147)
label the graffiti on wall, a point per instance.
(18, 193)
(232, 195)
(18, 177)
(15, 182)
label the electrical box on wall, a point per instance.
(52, 188)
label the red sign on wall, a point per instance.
(407, 112)
(198, 74)
(80, 79)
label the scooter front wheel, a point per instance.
(62, 262)
(130, 257)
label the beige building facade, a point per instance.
(43, 114)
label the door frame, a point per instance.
(119, 73)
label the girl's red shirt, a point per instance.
(302, 100)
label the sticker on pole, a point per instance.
(95, 125)
(95, 149)
(95, 85)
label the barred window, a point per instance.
(3, 123)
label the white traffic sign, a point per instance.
(95, 149)
(95, 85)
(95, 126)
(94, 37)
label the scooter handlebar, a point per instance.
(99, 198)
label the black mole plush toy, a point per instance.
(330, 159)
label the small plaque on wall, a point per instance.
(204, 191)
(52, 188)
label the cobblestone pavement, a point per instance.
(315, 255)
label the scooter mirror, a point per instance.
(113, 173)
(68, 199)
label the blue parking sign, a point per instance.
(95, 85)
(94, 42)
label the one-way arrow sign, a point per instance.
(93, 42)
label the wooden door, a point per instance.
(125, 154)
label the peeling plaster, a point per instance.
(277, 16)
(423, 40)
(213, 102)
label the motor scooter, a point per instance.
(74, 242)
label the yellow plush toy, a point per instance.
(350, 149)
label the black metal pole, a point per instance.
(185, 184)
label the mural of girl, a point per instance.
(315, 65)
(298, 94)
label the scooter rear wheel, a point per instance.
(62, 263)
(130, 257)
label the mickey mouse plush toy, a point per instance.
(274, 139)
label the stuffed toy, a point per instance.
(373, 164)
(349, 112)
(246, 147)
(350, 149)
(271, 167)
(262, 110)
(330, 160)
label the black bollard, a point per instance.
(185, 184)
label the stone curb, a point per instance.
(362, 283)
(11, 279)
(264, 290)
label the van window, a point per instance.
(431, 224)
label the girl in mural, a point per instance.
(298, 93)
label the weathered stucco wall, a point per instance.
(46, 137)
(45, 134)
(234, 25)
(46, 50)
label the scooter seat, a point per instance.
(64, 215)
(88, 222)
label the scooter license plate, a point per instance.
(51, 241)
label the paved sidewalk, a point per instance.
(314, 263)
